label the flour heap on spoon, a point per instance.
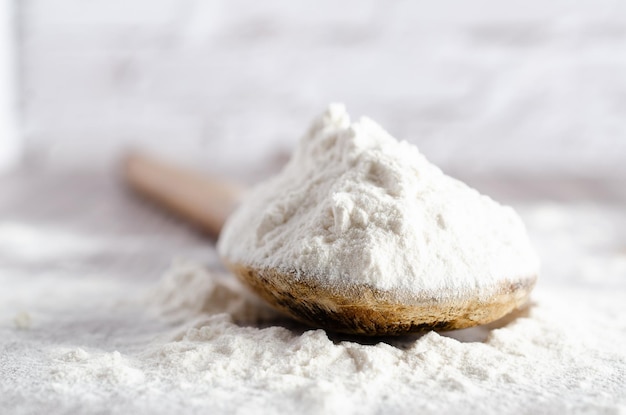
(355, 207)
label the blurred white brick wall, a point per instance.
(10, 143)
(495, 86)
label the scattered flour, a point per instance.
(188, 290)
(356, 207)
(549, 358)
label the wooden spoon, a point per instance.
(204, 201)
(207, 202)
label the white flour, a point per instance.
(228, 356)
(355, 206)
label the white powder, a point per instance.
(549, 359)
(188, 290)
(355, 206)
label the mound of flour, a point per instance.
(354, 206)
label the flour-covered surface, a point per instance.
(98, 316)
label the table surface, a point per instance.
(60, 228)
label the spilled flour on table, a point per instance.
(188, 290)
(225, 351)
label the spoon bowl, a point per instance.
(368, 311)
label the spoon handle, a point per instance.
(204, 201)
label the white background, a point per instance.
(493, 87)
(9, 140)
